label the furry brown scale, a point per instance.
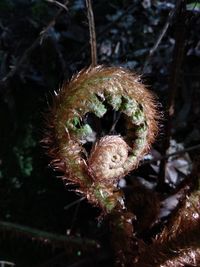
(96, 91)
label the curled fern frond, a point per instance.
(95, 92)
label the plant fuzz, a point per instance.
(92, 92)
(92, 153)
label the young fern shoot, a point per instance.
(96, 161)
(97, 172)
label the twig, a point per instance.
(195, 4)
(43, 236)
(180, 32)
(171, 155)
(102, 33)
(53, 21)
(127, 11)
(93, 44)
(58, 4)
(28, 51)
(162, 34)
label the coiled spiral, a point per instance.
(98, 91)
(108, 159)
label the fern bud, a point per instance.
(95, 91)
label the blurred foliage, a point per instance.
(39, 9)
(23, 152)
(6, 5)
(126, 31)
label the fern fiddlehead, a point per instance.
(112, 156)
(95, 92)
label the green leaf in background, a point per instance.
(194, 6)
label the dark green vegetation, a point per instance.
(34, 63)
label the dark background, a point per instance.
(126, 31)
